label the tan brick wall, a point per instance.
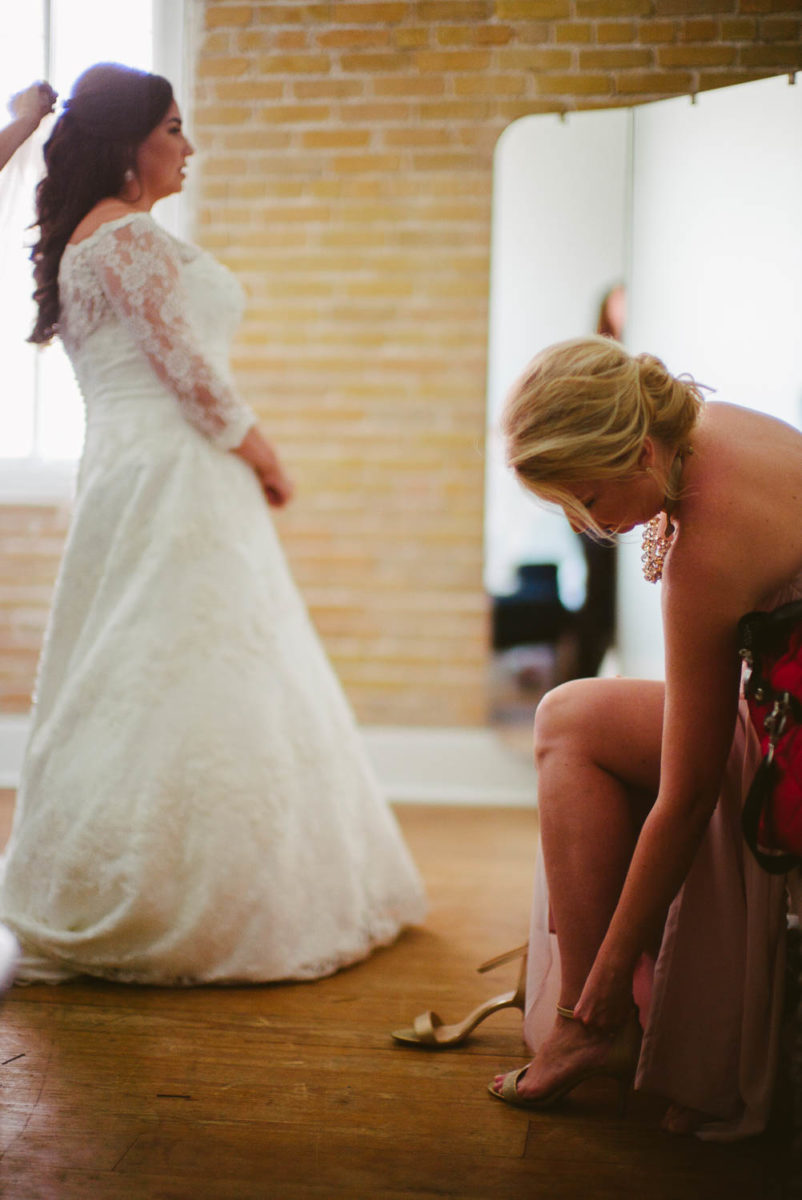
(31, 540)
(346, 171)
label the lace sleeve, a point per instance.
(139, 272)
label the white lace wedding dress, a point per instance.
(196, 805)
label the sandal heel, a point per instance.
(620, 1064)
(428, 1030)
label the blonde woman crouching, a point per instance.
(641, 783)
(656, 945)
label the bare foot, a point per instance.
(569, 1050)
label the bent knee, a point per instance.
(613, 723)
(564, 712)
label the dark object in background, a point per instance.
(596, 619)
(532, 614)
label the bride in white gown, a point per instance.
(195, 805)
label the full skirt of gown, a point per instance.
(196, 804)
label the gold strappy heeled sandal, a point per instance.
(428, 1030)
(620, 1064)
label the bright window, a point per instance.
(41, 416)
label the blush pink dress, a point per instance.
(711, 1003)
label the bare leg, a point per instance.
(597, 748)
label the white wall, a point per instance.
(558, 244)
(716, 273)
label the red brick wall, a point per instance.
(346, 172)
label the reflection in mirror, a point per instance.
(694, 207)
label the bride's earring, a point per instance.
(129, 175)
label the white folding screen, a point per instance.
(715, 283)
(558, 243)
(698, 206)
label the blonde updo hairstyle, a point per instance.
(581, 411)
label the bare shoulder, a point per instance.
(733, 424)
(107, 210)
(745, 458)
(740, 512)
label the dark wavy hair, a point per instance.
(111, 111)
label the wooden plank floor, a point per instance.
(296, 1091)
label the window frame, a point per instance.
(32, 480)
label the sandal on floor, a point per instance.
(428, 1029)
(620, 1064)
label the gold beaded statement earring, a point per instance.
(655, 546)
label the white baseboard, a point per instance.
(449, 766)
(414, 765)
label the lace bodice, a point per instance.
(136, 302)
